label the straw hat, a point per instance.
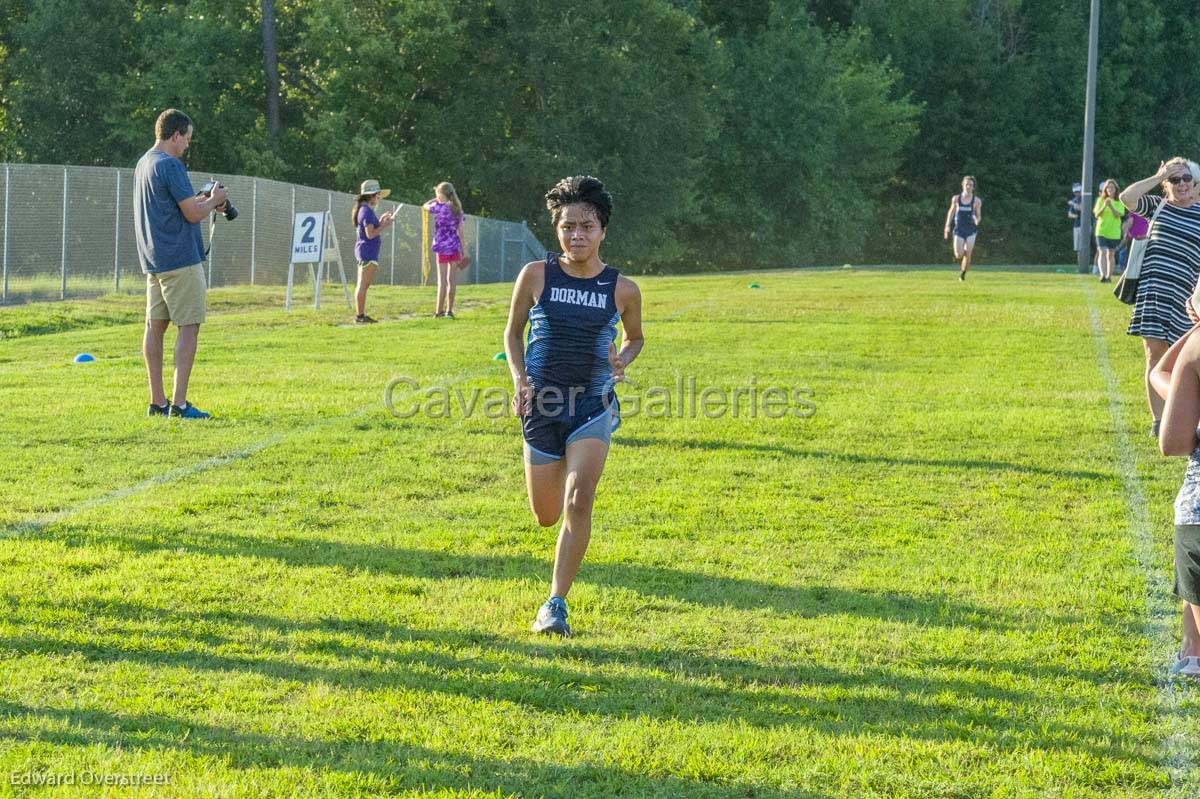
(372, 187)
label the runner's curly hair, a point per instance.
(580, 189)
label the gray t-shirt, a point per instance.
(1187, 501)
(165, 239)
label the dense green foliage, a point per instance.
(754, 132)
(1001, 88)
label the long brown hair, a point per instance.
(359, 202)
(446, 189)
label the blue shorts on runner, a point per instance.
(551, 425)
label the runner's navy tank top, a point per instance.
(964, 218)
(570, 329)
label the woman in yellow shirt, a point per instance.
(1109, 212)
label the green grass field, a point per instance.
(952, 580)
(35, 288)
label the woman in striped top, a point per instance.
(1170, 266)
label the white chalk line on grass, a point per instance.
(180, 473)
(40, 523)
(1160, 606)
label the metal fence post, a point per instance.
(11, 261)
(253, 226)
(524, 239)
(291, 267)
(478, 236)
(212, 245)
(117, 238)
(7, 187)
(503, 248)
(66, 188)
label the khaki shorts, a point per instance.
(177, 295)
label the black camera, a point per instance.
(226, 208)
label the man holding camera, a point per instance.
(166, 220)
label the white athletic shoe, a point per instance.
(1186, 666)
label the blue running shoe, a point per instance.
(552, 618)
(159, 410)
(188, 411)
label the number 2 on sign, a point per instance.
(308, 224)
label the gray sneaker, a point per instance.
(1186, 666)
(552, 618)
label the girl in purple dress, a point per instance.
(447, 244)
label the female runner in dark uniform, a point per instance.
(963, 220)
(563, 381)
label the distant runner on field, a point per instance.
(963, 221)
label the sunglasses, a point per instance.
(1177, 179)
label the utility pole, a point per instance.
(1089, 142)
(271, 67)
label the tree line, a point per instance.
(733, 133)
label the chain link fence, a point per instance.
(67, 232)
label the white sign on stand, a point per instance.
(308, 234)
(314, 241)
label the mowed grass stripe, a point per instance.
(191, 470)
(926, 589)
(1161, 607)
(1162, 613)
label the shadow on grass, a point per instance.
(395, 763)
(981, 706)
(608, 682)
(849, 457)
(667, 584)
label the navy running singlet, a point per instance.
(964, 218)
(570, 329)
